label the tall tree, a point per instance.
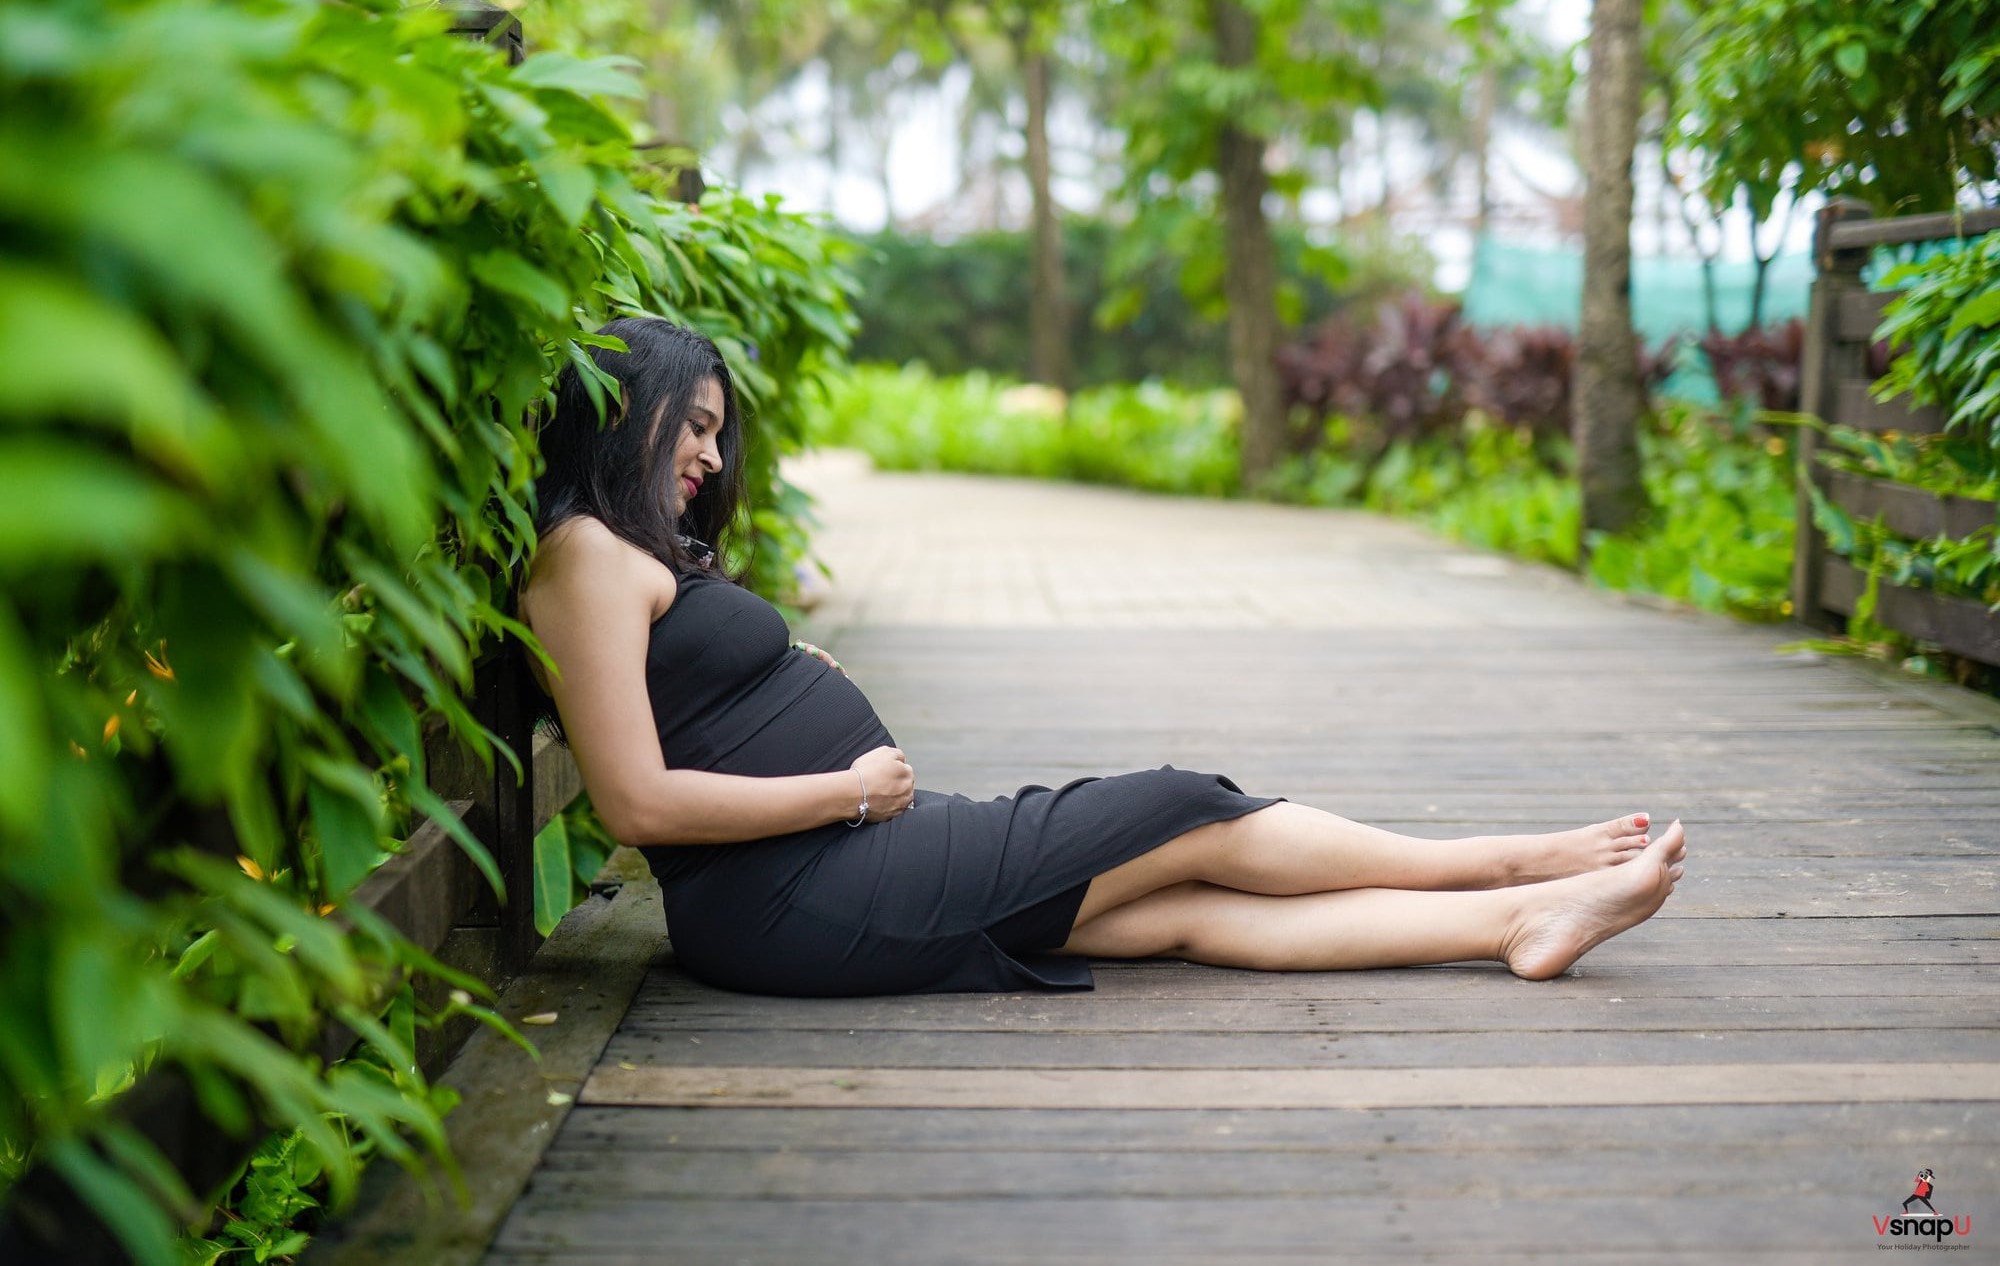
(1048, 317)
(1608, 401)
(1250, 278)
(1206, 88)
(1029, 30)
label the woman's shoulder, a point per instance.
(582, 561)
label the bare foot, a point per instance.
(1534, 859)
(1563, 920)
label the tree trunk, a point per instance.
(1486, 104)
(1608, 401)
(1250, 275)
(1048, 307)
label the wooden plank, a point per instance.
(1855, 405)
(423, 890)
(745, 1255)
(557, 780)
(1639, 1169)
(1857, 313)
(1837, 1038)
(998, 1255)
(1175, 996)
(1604, 1011)
(1908, 511)
(1956, 624)
(1463, 1087)
(1385, 1225)
(607, 1133)
(1897, 230)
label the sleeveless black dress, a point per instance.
(953, 894)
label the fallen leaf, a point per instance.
(540, 1017)
(557, 1098)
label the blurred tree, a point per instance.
(1608, 400)
(1029, 30)
(1896, 102)
(1207, 88)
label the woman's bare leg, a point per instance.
(1538, 930)
(1288, 849)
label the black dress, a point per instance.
(954, 894)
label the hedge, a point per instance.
(282, 286)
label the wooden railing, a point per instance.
(1837, 385)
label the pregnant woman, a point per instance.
(795, 851)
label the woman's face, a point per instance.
(698, 454)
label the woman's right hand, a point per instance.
(891, 783)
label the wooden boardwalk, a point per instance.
(1756, 1073)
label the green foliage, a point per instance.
(569, 852)
(1946, 328)
(1943, 465)
(281, 287)
(1890, 101)
(1145, 436)
(959, 306)
(1721, 534)
(1178, 92)
(1720, 539)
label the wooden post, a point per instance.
(1827, 361)
(490, 24)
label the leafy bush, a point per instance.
(1945, 331)
(281, 286)
(963, 305)
(1762, 366)
(1411, 369)
(1146, 436)
(1724, 514)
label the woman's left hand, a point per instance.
(820, 655)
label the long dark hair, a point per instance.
(615, 463)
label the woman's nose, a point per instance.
(711, 455)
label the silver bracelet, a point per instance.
(862, 816)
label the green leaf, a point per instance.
(65, 505)
(142, 1227)
(349, 830)
(510, 274)
(552, 875)
(24, 739)
(569, 187)
(1852, 58)
(589, 77)
(427, 802)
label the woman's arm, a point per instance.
(591, 602)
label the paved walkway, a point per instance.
(1758, 1071)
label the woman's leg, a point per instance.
(1287, 849)
(1538, 929)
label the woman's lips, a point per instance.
(691, 486)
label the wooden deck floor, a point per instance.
(1757, 1072)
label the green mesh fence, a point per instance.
(1525, 285)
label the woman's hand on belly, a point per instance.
(891, 783)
